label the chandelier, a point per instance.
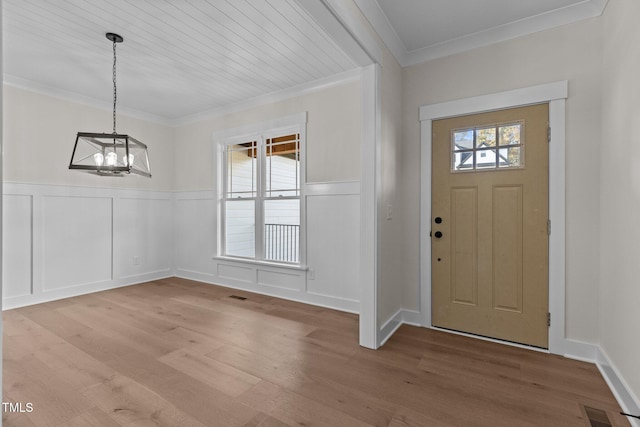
(110, 153)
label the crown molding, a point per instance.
(378, 19)
(292, 92)
(88, 101)
(544, 21)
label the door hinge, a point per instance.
(548, 319)
(548, 227)
(548, 133)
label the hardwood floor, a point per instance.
(181, 353)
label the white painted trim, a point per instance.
(333, 303)
(57, 190)
(401, 317)
(628, 401)
(424, 264)
(260, 263)
(326, 18)
(496, 101)
(411, 317)
(64, 95)
(271, 98)
(369, 195)
(390, 327)
(294, 123)
(555, 94)
(356, 29)
(83, 289)
(541, 22)
(380, 23)
(38, 193)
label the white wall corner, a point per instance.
(628, 401)
(578, 350)
(412, 317)
(390, 327)
(401, 317)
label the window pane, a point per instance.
(510, 157)
(463, 160)
(282, 230)
(283, 166)
(486, 138)
(510, 134)
(242, 170)
(240, 228)
(463, 140)
(485, 159)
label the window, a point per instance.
(261, 197)
(488, 147)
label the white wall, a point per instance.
(62, 241)
(332, 201)
(69, 232)
(570, 53)
(619, 190)
(391, 260)
(333, 137)
(41, 130)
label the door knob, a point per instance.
(438, 220)
(438, 234)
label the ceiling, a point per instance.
(420, 30)
(179, 57)
(182, 58)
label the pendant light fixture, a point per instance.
(110, 153)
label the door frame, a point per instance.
(553, 93)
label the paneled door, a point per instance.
(489, 240)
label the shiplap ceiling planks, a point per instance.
(179, 57)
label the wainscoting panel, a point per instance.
(236, 273)
(333, 234)
(195, 232)
(17, 245)
(292, 280)
(330, 277)
(76, 241)
(62, 241)
(144, 236)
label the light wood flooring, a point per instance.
(181, 353)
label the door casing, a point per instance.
(555, 94)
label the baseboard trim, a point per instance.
(74, 291)
(339, 304)
(585, 352)
(621, 391)
(401, 317)
(578, 350)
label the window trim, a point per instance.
(296, 123)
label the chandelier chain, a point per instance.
(115, 90)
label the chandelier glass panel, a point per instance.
(110, 153)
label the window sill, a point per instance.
(261, 263)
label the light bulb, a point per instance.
(131, 159)
(98, 158)
(112, 159)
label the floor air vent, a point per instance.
(597, 417)
(237, 297)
